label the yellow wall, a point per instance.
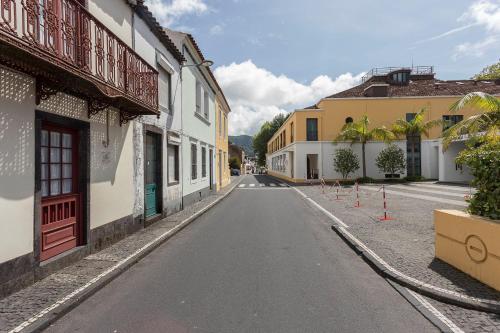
(332, 114)
(222, 144)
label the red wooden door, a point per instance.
(60, 211)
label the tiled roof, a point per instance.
(143, 11)
(178, 38)
(426, 87)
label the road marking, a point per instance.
(75, 292)
(242, 185)
(414, 188)
(264, 188)
(448, 187)
(317, 205)
(445, 320)
(420, 196)
(262, 184)
(252, 185)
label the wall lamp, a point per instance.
(205, 63)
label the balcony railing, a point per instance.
(415, 70)
(65, 34)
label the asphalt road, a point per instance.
(260, 261)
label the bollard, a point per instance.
(357, 205)
(386, 216)
(337, 184)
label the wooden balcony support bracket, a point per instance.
(96, 105)
(125, 117)
(44, 90)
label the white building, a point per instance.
(198, 91)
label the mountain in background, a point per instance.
(245, 142)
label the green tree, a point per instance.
(234, 163)
(412, 130)
(484, 165)
(345, 162)
(491, 72)
(265, 133)
(391, 160)
(358, 132)
(484, 126)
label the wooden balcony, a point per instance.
(67, 49)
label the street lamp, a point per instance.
(205, 63)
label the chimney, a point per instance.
(377, 90)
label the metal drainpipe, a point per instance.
(181, 69)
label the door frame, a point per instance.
(211, 167)
(158, 132)
(82, 130)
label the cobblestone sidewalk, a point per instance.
(407, 242)
(23, 305)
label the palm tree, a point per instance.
(487, 122)
(413, 129)
(358, 132)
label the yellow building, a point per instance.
(302, 149)
(223, 175)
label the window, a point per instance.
(401, 77)
(220, 123)
(224, 125)
(348, 120)
(205, 104)
(225, 121)
(173, 163)
(56, 163)
(203, 162)
(291, 132)
(284, 138)
(450, 120)
(312, 129)
(164, 84)
(198, 97)
(410, 116)
(194, 161)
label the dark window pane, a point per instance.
(55, 139)
(55, 187)
(45, 138)
(67, 140)
(55, 171)
(55, 155)
(66, 158)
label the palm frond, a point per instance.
(477, 100)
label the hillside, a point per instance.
(244, 141)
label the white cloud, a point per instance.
(256, 95)
(217, 29)
(484, 13)
(168, 12)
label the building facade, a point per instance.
(106, 124)
(302, 149)
(198, 95)
(222, 142)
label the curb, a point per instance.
(388, 272)
(60, 308)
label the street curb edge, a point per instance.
(384, 272)
(52, 316)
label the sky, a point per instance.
(273, 56)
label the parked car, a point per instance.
(235, 172)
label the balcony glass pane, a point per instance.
(45, 138)
(44, 155)
(66, 156)
(55, 155)
(55, 171)
(55, 139)
(45, 171)
(67, 171)
(55, 187)
(66, 142)
(45, 188)
(67, 186)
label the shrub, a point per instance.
(484, 165)
(414, 178)
(391, 160)
(345, 162)
(365, 180)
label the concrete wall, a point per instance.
(17, 157)
(448, 169)
(111, 174)
(326, 151)
(116, 15)
(430, 159)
